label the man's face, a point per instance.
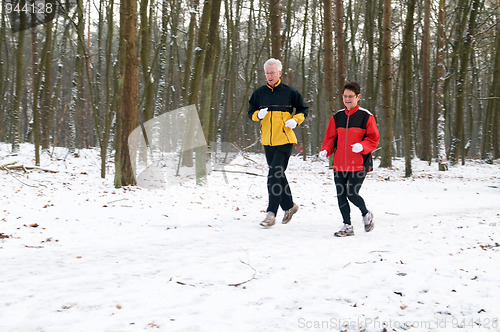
(272, 75)
(350, 99)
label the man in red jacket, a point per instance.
(351, 136)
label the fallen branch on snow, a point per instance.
(244, 282)
(248, 173)
(12, 166)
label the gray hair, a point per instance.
(274, 61)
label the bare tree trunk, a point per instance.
(313, 87)
(230, 73)
(370, 97)
(439, 96)
(407, 91)
(187, 156)
(458, 143)
(189, 52)
(208, 70)
(305, 79)
(46, 108)
(3, 78)
(490, 128)
(15, 128)
(388, 112)
(340, 44)
(200, 54)
(275, 18)
(172, 99)
(328, 60)
(109, 110)
(129, 113)
(207, 91)
(145, 55)
(36, 87)
(286, 41)
(425, 124)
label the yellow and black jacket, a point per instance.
(280, 101)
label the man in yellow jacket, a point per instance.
(272, 105)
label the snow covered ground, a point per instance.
(76, 254)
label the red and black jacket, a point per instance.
(347, 127)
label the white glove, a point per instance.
(292, 123)
(323, 154)
(357, 148)
(262, 113)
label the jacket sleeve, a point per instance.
(253, 108)
(330, 136)
(301, 108)
(372, 137)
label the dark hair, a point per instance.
(353, 86)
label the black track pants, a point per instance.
(277, 185)
(348, 185)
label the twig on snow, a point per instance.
(244, 282)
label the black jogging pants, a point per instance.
(348, 185)
(277, 185)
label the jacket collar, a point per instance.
(351, 112)
(277, 84)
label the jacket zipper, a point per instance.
(346, 140)
(271, 119)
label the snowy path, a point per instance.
(191, 259)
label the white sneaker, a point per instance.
(346, 230)
(368, 220)
(269, 221)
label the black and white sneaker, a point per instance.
(368, 220)
(346, 230)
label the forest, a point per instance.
(85, 74)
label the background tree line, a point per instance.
(429, 71)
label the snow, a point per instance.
(77, 254)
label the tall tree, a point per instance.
(304, 74)
(209, 76)
(129, 106)
(458, 143)
(187, 156)
(425, 122)
(189, 51)
(160, 92)
(340, 45)
(207, 92)
(328, 57)
(46, 91)
(387, 110)
(286, 39)
(407, 73)
(439, 94)
(145, 60)
(370, 94)
(200, 53)
(76, 116)
(16, 110)
(106, 113)
(275, 18)
(2, 75)
(491, 124)
(36, 87)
